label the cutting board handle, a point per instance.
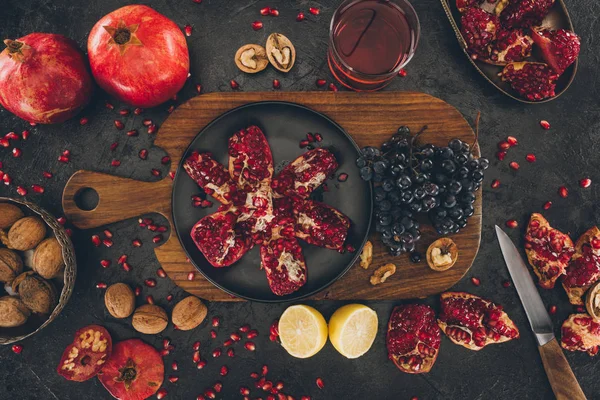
(118, 198)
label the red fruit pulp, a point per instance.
(87, 355)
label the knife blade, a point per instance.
(526, 289)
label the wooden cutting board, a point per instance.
(370, 118)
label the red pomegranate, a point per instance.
(44, 78)
(138, 55)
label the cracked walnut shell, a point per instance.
(382, 273)
(188, 313)
(442, 254)
(366, 257)
(48, 259)
(12, 312)
(26, 233)
(251, 58)
(119, 300)
(281, 52)
(11, 265)
(592, 301)
(149, 319)
(38, 294)
(9, 214)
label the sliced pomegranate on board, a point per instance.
(250, 158)
(533, 81)
(320, 224)
(523, 13)
(584, 269)
(560, 48)
(413, 338)
(580, 333)
(473, 322)
(211, 176)
(548, 250)
(87, 355)
(135, 371)
(218, 239)
(306, 173)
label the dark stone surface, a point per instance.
(565, 153)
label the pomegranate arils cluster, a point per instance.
(560, 48)
(479, 28)
(533, 81)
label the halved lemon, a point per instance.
(302, 331)
(352, 329)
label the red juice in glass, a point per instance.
(370, 41)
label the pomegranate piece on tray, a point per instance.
(284, 264)
(523, 13)
(548, 250)
(211, 176)
(320, 224)
(250, 159)
(584, 269)
(86, 356)
(533, 81)
(306, 173)
(509, 46)
(559, 48)
(580, 333)
(413, 338)
(474, 322)
(479, 29)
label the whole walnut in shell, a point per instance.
(149, 319)
(26, 233)
(119, 300)
(48, 259)
(9, 214)
(36, 293)
(12, 312)
(11, 265)
(188, 313)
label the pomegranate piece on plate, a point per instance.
(580, 333)
(87, 355)
(413, 338)
(473, 322)
(256, 214)
(584, 269)
(135, 371)
(523, 13)
(509, 46)
(306, 173)
(250, 159)
(218, 239)
(284, 265)
(211, 176)
(479, 28)
(320, 224)
(559, 48)
(548, 250)
(533, 81)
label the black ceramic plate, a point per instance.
(284, 125)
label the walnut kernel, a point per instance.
(382, 273)
(442, 254)
(251, 58)
(281, 52)
(366, 257)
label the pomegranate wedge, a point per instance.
(584, 269)
(211, 176)
(250, 159)
(320, 224)
(305, 173)
(580, 333)
(284, 264)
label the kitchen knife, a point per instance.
(563, 381)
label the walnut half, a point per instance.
(281, 52)
(382, 273)
(592, 302)
(442, 254)
(251, 58)
(366, 257)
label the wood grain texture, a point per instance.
(561, 377)
(370, 118)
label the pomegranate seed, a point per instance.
(320, 383)
(196, 356)
(274, 12)
(244, 328)
(152, 129)
(166, 343)
(217, 352)
(234, 85)
(126, 267)
(545, 124)
(21, 191)
(119, 125)
(254, 375)
(305, 398)
(314, 11)
(197, 1)
(235, 337)
(83, 121)
(276, 84)
(155, 172)
(514, 165)
(173, 378)
(107, 242)
(63, 159)
(257, 25)
(503, 145)
(580, 309)
(109, 106)
(585, 182)
(512, 141)
(274, 328)
(188, 30)
(114, 146)
(122, 259)
(402, 73)
(244, 391)
(16, 152)
(132, 132)
(224, 370)
(17, 348)
(7, 179)
(101, 285)
(216, 322)
(500, 155)
(161, 393)
(136, 243)
(143, 154)
(191, 276)
(138, 111)
(124, 112)
(12, 136)
(201, 364)
(138, 290)
(250, 346)
(264, 370)
(174, 366)
(115, 163)
(230, 352)
(506, 284)
(210, 393)
(4, 142)
(304, 143)
(149, 299)
(252, 334)
(530, 157)
(105, 263)
(150, 282)
(300, 17)
(147, 122)
(321, 82)
(213, 334)
(61, 220)
(96, 240)
(170, 297)
(475, 281)
(157, 239)
(332, 87)
(25, 134)
(318, 137)
(547, 205)
(165, 160)
(218, 386)
(198, 88)
(69, 232)
(161, 229)
(495, 184)
(47, 174)
(170, 109)
(265, 11)
(161, 273)
(512, 223)
(343, 177)
(563, 192)
(552, 309)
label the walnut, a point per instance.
(26, 233)
(281, 52)
(12, 312)
(592, 301)
(442, 254)
(382, 273)
(149, 319)
(48, 259)
(251, 58)
(11, 265)
(37, 294)
(366, 257)
(119, 300)
(188, 313)
(9, 214)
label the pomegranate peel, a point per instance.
(560, 48)
(584, 268)
(580, 333)
(87, 355)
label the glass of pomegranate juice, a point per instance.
(370, 41)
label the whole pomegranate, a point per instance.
(44, 78)
(138, 56)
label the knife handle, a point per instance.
(563, 381)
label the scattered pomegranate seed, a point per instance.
(300, 17)
(171, 109)
(4, 142)
(25, 134)
(16, 152)
(545, 124)
(149, 299)
(136, 243)
(320, 383)
(244, 391)
(305, 398)
(191, 276)
(547, 205)
(114, 146)
(503, 145)
(265, 11)
(332, 87)
(230, 352)
(343, 177)
(314, 11)
(17, 348)
(198, 88)
(213, 334)
(100, 285)
(69, 232)
(21, 191)
(155, 172)
(552, 309)
(61, 220)
(228, 342)
(264, 370)
(161, 393)
(506, 284)
(133, 132)
(201, 364)
(235, 337)
(12, 136)
(152, 129)
(196, 356)
(174, 366)
(96, 240)
(165, 160)
(563, 192)
(512, 223)
(318, 137)
(115, 163)
(150, 282)
(161, 273)
(216, 322)
(495, 184)
(6, 179)
(172, 175)
(512, 141)
(107, 242)
(83, 121)
(124, 112)
(188, 30)
(47, 174)
(257, 25)
(216, 352)
(500, 155)
(304, 143)
(252, 334)
(105, 263)
(161, 228)
(274, 328)
(109, 106)
(119, 125)
(122, 259)
(254, 375)
(585, 182)
(210, 393)
(244, 328)
(580, 309)
(147, 122)
(250, 346)
(197, 1)
(224, 370)
(475, 281)
(276, 84)
(126, 267)
(157, 239)
(514, 165)
(402, 73)
(173, 378)
(530, 157)
(138, 111)
(234, 85)
(166, 343)
(138, 290)
(274, 12)
(143, 154)
(321, 82)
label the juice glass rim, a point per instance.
(417, 29)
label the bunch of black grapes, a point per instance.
(411, 179)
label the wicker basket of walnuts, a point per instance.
(37, 269)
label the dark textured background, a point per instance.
(565, 154)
